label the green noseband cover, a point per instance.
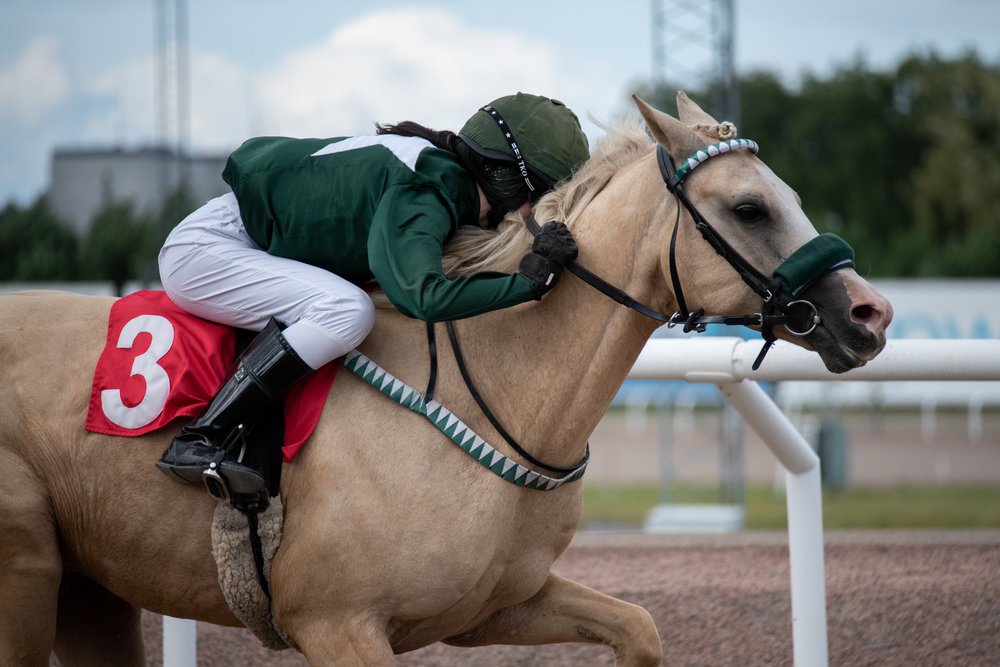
(824, 254)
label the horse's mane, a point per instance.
(474, 249)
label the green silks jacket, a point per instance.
(369, 207)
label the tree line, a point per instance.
(120, 244)
(903, 163)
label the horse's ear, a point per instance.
(690, 113)
(669, 132)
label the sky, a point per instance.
(81, 74)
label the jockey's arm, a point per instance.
(405, 246)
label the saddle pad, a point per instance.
(161, 363)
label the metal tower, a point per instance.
(693, 47)
(173, 111)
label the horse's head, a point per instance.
(761, 224)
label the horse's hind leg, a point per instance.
(565, 611)
(95, 627)
(30, 569)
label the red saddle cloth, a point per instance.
(161, 363)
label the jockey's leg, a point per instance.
(565, 611)
(208, 447)
(210, 267)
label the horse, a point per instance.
(392, 538)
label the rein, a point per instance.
(455, 429)
(471, 386)
(819, 256)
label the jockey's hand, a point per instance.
(552, 250)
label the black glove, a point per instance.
(552, 250)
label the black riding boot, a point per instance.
(208, 448)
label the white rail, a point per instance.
(697, 359)
(726, 363)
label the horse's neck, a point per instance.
(560, 364)
(547, 370)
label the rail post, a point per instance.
(180, 642)
(804, 498)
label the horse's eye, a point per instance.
(749, 213)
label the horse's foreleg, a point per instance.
(335, 642)
(30, 570)
(96, 627)
(565, 611)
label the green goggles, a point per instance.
(509, 178)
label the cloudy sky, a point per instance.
(81, 74)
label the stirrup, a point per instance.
(216, 484)
(227, 478)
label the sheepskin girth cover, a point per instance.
(238, 574)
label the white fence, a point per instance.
(725, 362)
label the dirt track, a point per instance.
(910, 599)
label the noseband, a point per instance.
(779, 305)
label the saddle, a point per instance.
(161, 363)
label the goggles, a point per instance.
(508, 174)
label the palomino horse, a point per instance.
(394, 539)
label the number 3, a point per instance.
(157, 380)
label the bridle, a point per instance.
(800, 317)
(821, 255)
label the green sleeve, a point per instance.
(405, 245)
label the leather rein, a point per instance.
(471, 386)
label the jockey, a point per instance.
(309, 220)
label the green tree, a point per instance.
(177, 205)
(35, 245)
(901, 162)
(956, 182)
(851, 153)
(118, 243)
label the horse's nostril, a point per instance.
(863, 314)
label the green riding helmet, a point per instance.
(543, 144)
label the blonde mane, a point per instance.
(473, 249)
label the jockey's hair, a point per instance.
(443, 139)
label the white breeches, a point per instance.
(211, 268)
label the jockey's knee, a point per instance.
(331, 327)
(366, 315)
(351, 314)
